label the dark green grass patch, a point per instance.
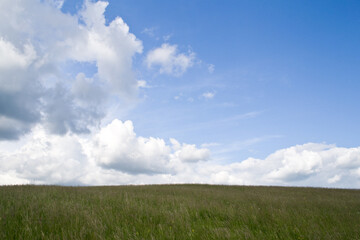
(178, 212)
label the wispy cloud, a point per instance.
(167, 37)
(241, 116)
(244, 144)
(149, 31)
(217, 122)
(208, 95)
(211, 68)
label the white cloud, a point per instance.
(36, 41)
(112, 47)
(169, 60)
(117, 147)
(296, 163)
(189, 152)
(208, 95)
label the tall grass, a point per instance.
(178, 212)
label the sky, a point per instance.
(150, 92)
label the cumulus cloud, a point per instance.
(113, 151)
(297, 163)
(36, 41)
(189, 152)
(117, 147)
(169, 60)
(112, 47)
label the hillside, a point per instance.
(178, 212)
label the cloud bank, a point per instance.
(116, 155)
(114, 151)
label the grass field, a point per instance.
(178, 212)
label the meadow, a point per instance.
(178, 212)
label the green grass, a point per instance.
(178, 212)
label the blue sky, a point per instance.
(292, 62)
(273, 84)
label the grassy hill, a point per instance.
(178, 212)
